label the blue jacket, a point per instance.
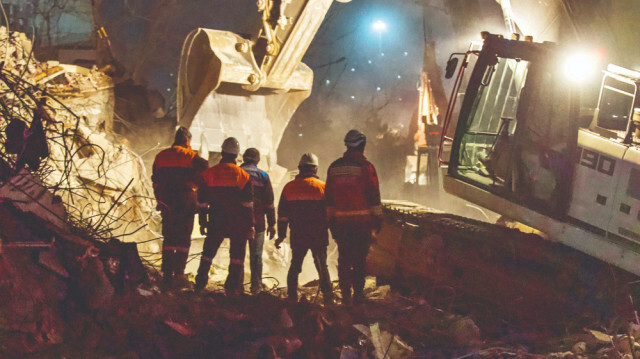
(262, 197)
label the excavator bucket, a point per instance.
(215, 99)
(248, 88)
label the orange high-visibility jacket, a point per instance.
(302, 207)
(228, 190)
(177, 173)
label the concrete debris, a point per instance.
(387, 345)
(180, 328)
(464, 332)
(89, 178)
(52, 262)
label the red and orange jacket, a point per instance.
(353, 192)
(177, 174)
(228, 190)
(302, 207)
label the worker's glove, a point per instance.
(279, 241)
(252, 233)
(271, 232)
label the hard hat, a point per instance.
(251, 155)
(231, 146)
(308, 159)
(182, 136)
(354, 138)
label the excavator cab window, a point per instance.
(488, 140)
(453, 111)
(615, 107)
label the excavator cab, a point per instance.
(248, 88)
(519, 147)
(509, 125)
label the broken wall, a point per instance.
(103, 185)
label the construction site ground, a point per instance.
(61, 301)
(147, 323)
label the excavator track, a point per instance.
(524, 276)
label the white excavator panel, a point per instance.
(595, 179)
(625, 220)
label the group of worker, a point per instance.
(232, 202)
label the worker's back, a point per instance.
(227, 189)
(177, 174)
(302, 203)
(352, 189)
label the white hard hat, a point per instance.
(231, 146)
(308, 159)
(354, 138)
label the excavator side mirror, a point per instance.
(452, 64)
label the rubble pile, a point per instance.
(57, 120)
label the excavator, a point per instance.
(248, 87)
(516, 141)
(518, 146)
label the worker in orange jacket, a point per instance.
(228, 191)
(355, 213)
(302, 207)
(176, 176)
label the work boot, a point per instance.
(233, 286)
(201, 283)
(328, 300)
(358, 298)
(255, 290)
(181, 282)
(233, 292)
(346, 295)
(167, 282)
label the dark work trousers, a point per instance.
(177, 226)
(255, 261)
(353, 247)
(238, 243)
(319, 254)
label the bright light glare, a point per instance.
(580, 66)
(379, 26)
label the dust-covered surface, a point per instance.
(56, 123)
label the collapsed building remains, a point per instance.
(57, 120)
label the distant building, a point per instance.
(50, 25)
